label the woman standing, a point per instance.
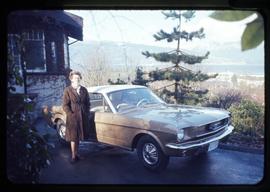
(76, 104)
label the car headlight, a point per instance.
(180, 135)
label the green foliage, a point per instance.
(188, 14)
(182, 75)
(117, 82)
(253, 34)
(139, 79)
(175, 35)
(224, 99)
(183, 92)
(27, 151)
(174, 15)
(248, 119)
(171, 14)
(13, 69)
(165, 94)
(193, 97)
(231, 15)
(176, 58)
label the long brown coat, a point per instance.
(77, 108)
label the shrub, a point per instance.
(27, 151)
(225, 99)
(248, 119)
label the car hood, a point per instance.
(176, 116)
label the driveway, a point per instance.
(109, 165)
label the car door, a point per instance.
(124, 129)
(102, 116)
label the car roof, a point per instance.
(111, 88)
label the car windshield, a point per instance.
(130, 98)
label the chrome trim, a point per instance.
(62, 131)
(203, 124)
(199, 143)
(105, 96)
(209, 133)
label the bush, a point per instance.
(27, 151)
(248, 119)
(225, 99)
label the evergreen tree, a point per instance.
(139, 79)
(183, 78)
(117, 82)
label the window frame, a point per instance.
(14, 51)
(66, 52)
(103, 101)
(36, 35)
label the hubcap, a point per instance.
(62, 131)
(150, 153)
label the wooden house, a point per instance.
(38, 43)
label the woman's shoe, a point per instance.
(73, 160)
(78, 157)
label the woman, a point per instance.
(76, 104)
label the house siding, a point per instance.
(48, 90)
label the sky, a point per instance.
(139, 26)
(222, 39)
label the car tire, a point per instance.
(150, 154)
(202, 154)
(61, 129)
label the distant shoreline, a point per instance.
(120, 57)
(232, 73)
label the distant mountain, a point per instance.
(223, 57)
(230, 53)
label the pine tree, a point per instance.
(117, 82)
(183, 77)
(139, 78)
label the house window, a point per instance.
(13, 48)
(53, 56)
(35, 55)
(14, 60)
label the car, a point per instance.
(135, 118)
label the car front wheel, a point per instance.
(151, 155)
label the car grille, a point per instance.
(207, 130)
(203, 139)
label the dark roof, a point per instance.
(72, 24)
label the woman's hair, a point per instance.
(74, 73)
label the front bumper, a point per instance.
(174, 149)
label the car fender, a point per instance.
(145, 132)
(58, 116)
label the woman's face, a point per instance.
(76, 79)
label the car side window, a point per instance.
(98, 103)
